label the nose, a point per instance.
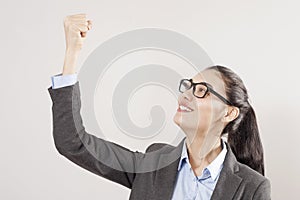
(187, 95)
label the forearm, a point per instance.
(70, 61)
(64, 128)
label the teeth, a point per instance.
(184, 108)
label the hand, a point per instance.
(76, 28)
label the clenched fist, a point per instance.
(76, 28)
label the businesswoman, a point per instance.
(205, 165)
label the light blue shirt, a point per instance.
(188, 186)
(60, 80)
(191, 187)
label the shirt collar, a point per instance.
(214, 167)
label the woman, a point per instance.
(203, 166)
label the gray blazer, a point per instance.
(236, 181)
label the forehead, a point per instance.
(212, 77)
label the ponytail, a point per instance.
(243, 134)
(244, 140)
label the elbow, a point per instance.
(60, 149)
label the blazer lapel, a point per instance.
(229, 181)
(165, 177)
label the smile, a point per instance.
(182, 108)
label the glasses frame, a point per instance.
(209, 89)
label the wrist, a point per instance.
(70, 62)
(71, 52)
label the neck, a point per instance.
(202, 151)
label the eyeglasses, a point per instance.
(200, 89)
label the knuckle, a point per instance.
(73, 26)
(77, 21)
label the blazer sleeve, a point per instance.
(101, 157)
(263, 191)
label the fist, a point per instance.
(76, 28)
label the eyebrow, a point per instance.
(204, 82)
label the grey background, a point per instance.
(258, 39)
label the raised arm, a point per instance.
(99, 156)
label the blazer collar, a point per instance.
(229, 181)
(213, 167)
(165, 177)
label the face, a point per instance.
(204, 120)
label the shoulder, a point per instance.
(252, 183)
(259, 184)
(243, 171)
(158, 146)
(250, 175)
(165, 147)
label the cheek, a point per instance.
(210, 109)
(218, 110)
(204, 106)
(204, 112)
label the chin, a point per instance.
(175, 121)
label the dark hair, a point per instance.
(243, 134)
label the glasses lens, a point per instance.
(184, 85)
(200, 90)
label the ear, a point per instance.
(231, 114)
